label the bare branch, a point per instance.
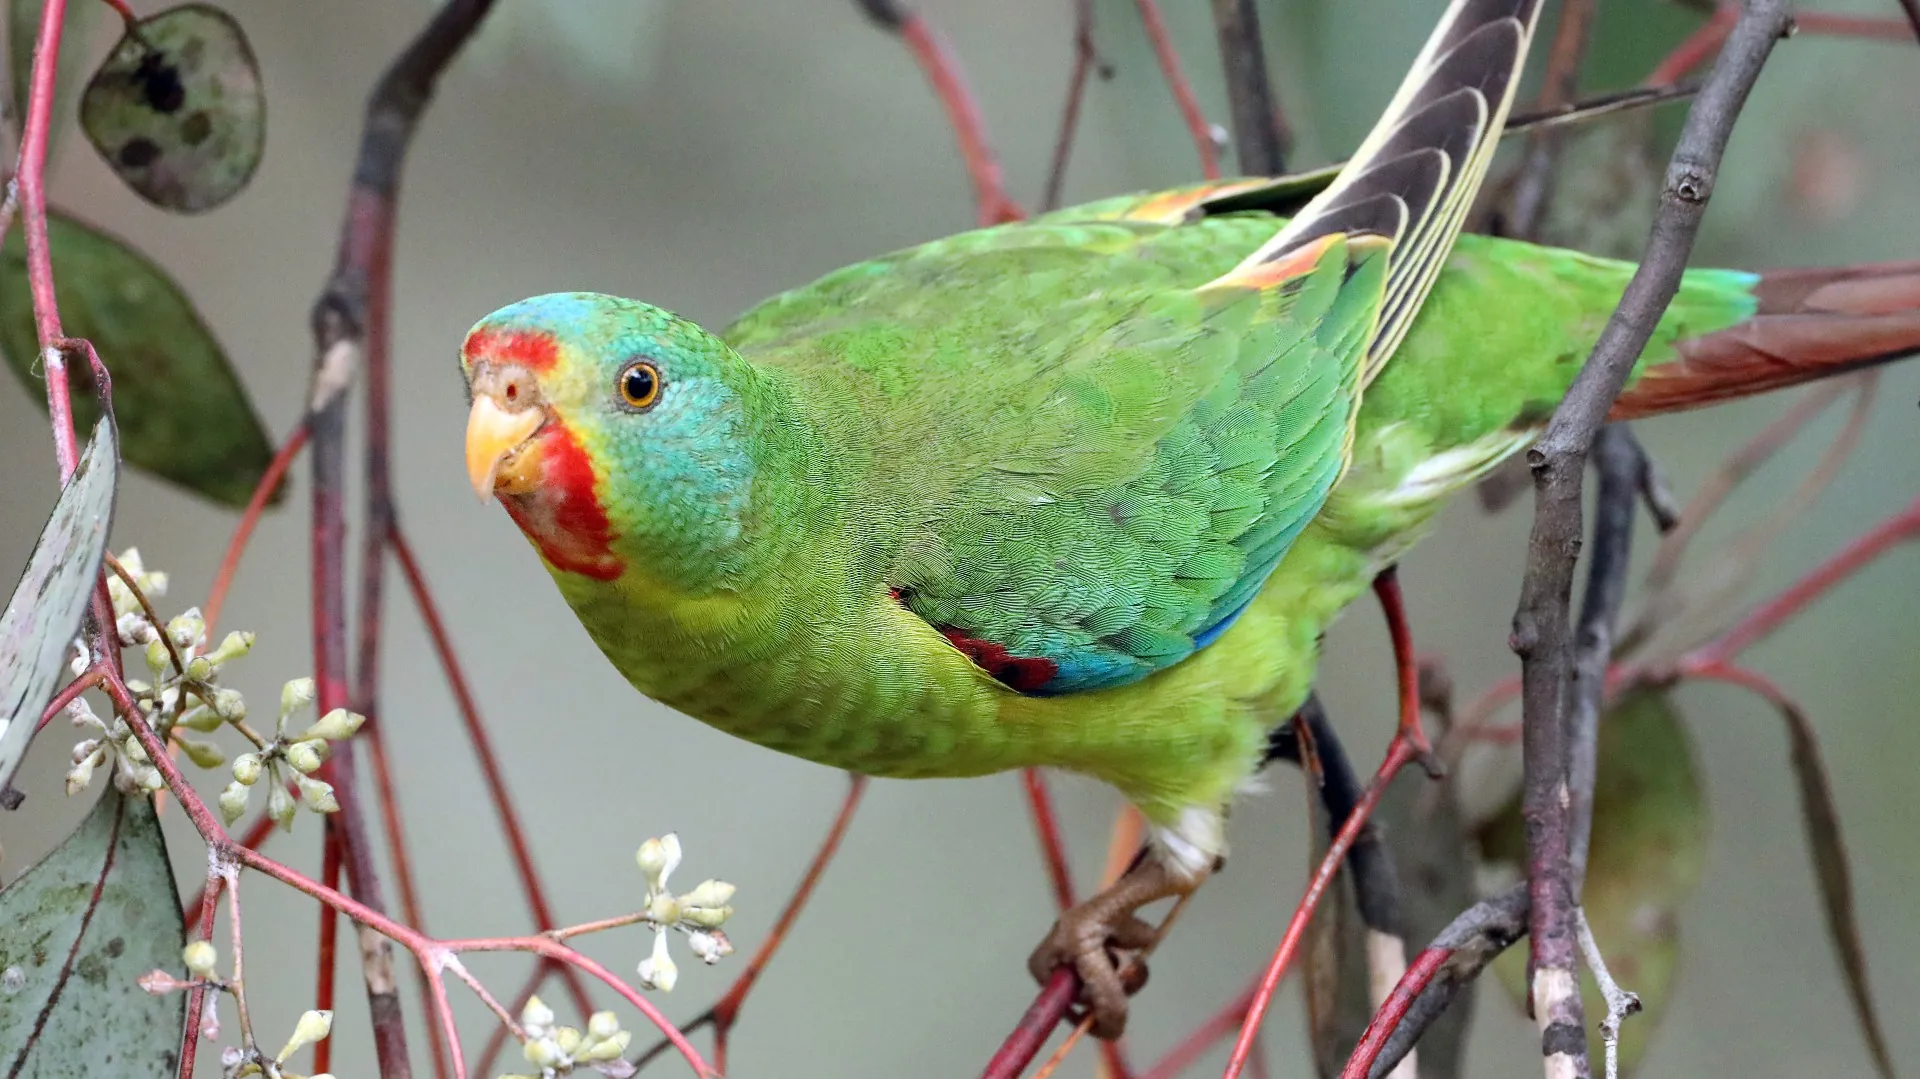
(1259, 141)
(1541, 625)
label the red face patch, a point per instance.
(530, 349)
(563, 517)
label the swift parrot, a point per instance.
(1084, 491)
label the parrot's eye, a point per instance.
(639, 385)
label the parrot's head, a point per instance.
(614, 433)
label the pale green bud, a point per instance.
(246, 769)
(568, 1039)
(199, 957)
(158, 659)
(708, 893)
(200, 718)
(204, 754)
(187, 629)
(85, 748)
(304, 758)
(658, 859)
(234, 645)
(230, 705)
(663, 909)
(280, 805)
(296, 695)
(199, 668)
(337, 725)
(611, 1047)
(134, 751)
(318, 795)
(602, 1025)
(536, 1018)
(312, 1027)
(233, 801)
(543, 1053)
(707, 917)
(80, 776)
(711, 947)
(657, 970)
(150, 780)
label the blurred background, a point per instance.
(706, 153)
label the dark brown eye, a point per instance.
(640, 385)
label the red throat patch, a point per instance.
(564, 517)
(530, 349)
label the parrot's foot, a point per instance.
(1091, 938)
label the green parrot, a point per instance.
(1084, 492)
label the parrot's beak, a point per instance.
(499, 454)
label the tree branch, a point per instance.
(1259, 142)
(350, 322)
(1540, 625)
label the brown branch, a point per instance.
(1533, 184)
(350, 321)
(1540, 626)
(1086, 60)
(1259, 140)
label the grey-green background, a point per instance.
(704, 153)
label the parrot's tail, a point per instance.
(1809, 324)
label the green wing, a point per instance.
(1101, 431)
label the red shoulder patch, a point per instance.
(1024, 674)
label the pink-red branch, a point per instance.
(1204, 142)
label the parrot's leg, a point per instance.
(1085, 937)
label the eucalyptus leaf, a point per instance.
(76, 931)
(182, 412)
(177, 111)
(43, 617)
(1649, 843)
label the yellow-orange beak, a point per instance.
(499, 456)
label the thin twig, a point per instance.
(942, 70)
(1206, 142)
(1533, 185)
(1541, 634)
(1620, 1003)
(1259, 143)
(1086, 60)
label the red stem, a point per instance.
(1047, 826)
(1169, 58)
(1034, 1027)
(498, 792)
(728, 1007)
(66, 696)
(1393, 1010)
(1900, 528)
(402, 876)
(243, 531)
(32, 177)
(1399, 753)
(1195, 1045)
(328, 966)
(942, 70)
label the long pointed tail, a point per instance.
(1811, 324)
